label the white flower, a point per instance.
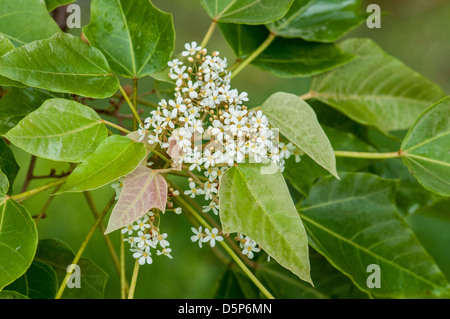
(174, 63)
(179, 75)
(178, 106)
(212, 206)
(167, 119)
(128, 229)
(141, 223)
(212, 236)
(143, 241)
(191, 90)
(250, 247)
(198, 235)
(178, 210)
(143, 256)
(165, 251)
(193, 190)
(191, 48)
(162, 240)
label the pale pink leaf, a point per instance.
(143, 190)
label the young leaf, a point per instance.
(17, 248)
(59, 256)
(246, 11)
(8, 164)
(426, 148)
(259, 205)
(375, 89)
(143, 190)
(354, 223)
(62, 63)
(24, 21)
(283, 57)
(297, 121)
(115, 157)
(60, 130)
(136, 37)
(19, 102)
(319, 20)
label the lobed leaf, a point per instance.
(375, 89)
(257, 203)
(354, 223)
(143, 190)
(283, 57)
(297, 121)
(59, 256)
(115, 157)
(425, 149)
(136, 37)
(17, 248)
(60, 130)
(319, 20)
(24, 21)
(246, 11)
(61, 63)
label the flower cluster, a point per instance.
(206, 128)
(143, 236)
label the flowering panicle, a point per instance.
(207, 128)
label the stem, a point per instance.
(209, 33)
(158, 154)
(83, 246)
(120, 128)
(367, 154)
(135, 91)
(306, 96)
(134, 279)
(30, 171)
(127, 99)
(233, 255)
(123, 284)
(254, 55)
(22, 196)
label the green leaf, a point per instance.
(60, 130)
(39, 282)
(329, 283)
(255, 201)
(18, 240)
(19, 102)
(426, 148)
(59, 256)
(8, 164)
(115, 157)
(246, 11)
(4, 183)
(6, 294)
(53, 4)
(24, 21)
(375, 89)
(143, 190)
(136, 37)
(283, 57)
(319, 20)
(354, 223)
(5, 47)
(297, 121)
(62, 63)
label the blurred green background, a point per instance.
(415, 31)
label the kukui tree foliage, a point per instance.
(320, 221)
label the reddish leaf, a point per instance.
(143, 190)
